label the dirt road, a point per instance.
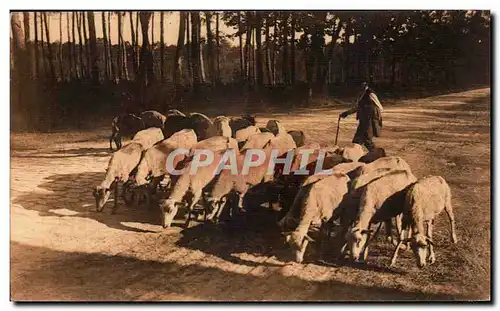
(61, 249)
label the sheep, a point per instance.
(275, 127)
(243, 134)
(299, 137)
(249, 118)
(220, 127)
(121, 164)
(424, 201)
(375, 154)
(154, 160)
(380, 200)
(317, 202)
(257, 141)
(152, 118)
(352, 152)
(265, 130)
(127, 124)
(148, 137)
(237, 124)
(192, 183)
(283, 142)
(200, 124)
(215, 143)
(294, 185)
(364, 174)
(174, 112)
(241, 183)
(176, 123)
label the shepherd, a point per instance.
(369, 113)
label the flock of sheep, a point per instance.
(361, 190)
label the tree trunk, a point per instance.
(137, 51)
(258, 40)
(119, 55)
(152, 31)
(162, 47)
(134, 44)
(94, 56)
(42, 46)
(273, 49)
(292, 50)
(49, 47)
(179, 49)
(110, 51)
(70, 56)
(217, 75)
(266, 51)
(20, 103)
(147, 74)
(242, 55)
(87, 46)
(27, 44)
(210, 47)
(106, 47)
(189, 47)
(37, 56)
(123, 48)
(195, 48)
(248, 44)
(285, 63)
(60, 58)
(80, 46)
(74, 51)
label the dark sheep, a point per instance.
(237, 124)
(373, 155)
(299, 137)
(152, 118)
(174, 112)
(176, 123)
(200, 124)
(124, 125)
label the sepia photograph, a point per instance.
(250, 156)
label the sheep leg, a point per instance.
(449, 211)
(432, 255)
(196, 198)
(388, 230)
(400, 243)
(115, 205)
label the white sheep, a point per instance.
(215, 143)
(148, 137)
(352, 152)
(154, 161)
(380, 201)
(257, 141)
(317, 204)
(193, 183)
(121, 164)
(376, 169)
(244, 133)
(292, 214)
(424, 201)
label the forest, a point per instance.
(277, 58)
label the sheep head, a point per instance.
(298, 244)
(420, 245)
(101, 196)
(168, 210)
(356, 241)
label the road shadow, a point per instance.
(67, 153)
(71, 276)
(72, 193)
